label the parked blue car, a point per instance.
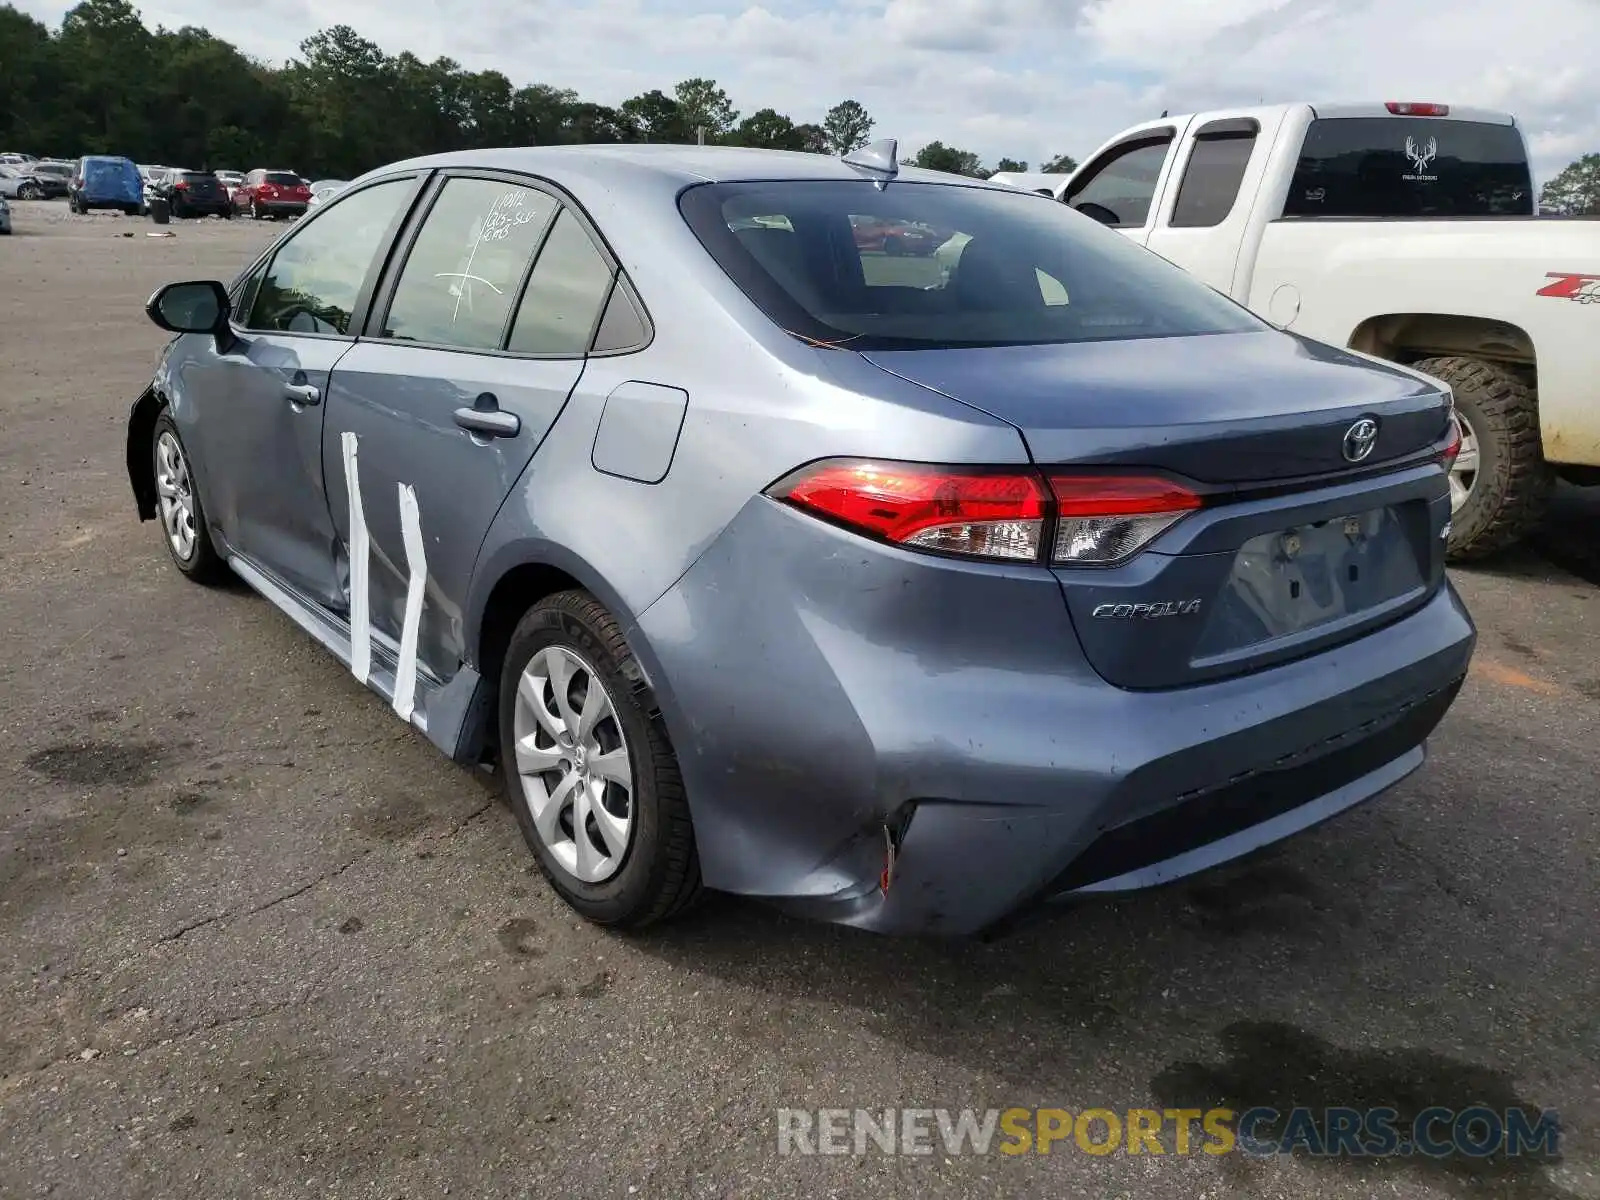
(903, 591)
(105, 181)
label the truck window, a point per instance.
(1124, 181)
(1211, 179)
(1410, 167)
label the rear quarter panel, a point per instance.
(1514, 271)
(761, 403)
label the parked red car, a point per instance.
(897, 237)
(272, 194)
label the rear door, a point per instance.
(1119, 186)
(435, 414)
(1205, 212)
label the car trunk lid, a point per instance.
(1320, 497)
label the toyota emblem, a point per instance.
(1359, 439)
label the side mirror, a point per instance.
(200, 306)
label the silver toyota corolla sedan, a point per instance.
(910, 591)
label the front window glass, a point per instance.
(313, 280)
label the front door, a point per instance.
(437, 415)
(267, 395)
(1120, 185)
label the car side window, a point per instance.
(1211, 180)
(312, 282)
(461, 277)
(622, 325)
(1124, 182)
(562, 302)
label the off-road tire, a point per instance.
(660, 876)
(1513, 483)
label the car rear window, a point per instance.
(196, 176)
(1410, 167)
(283, 179)
(918, 265)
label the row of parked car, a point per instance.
(111, 182)
(262, 193)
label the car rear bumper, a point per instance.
(281, 208)
(829, 697)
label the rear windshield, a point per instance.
(1410, 167)
(61, 169)
(919, 265)
(196, 176)
(283, 179)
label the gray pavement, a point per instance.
(258, 939)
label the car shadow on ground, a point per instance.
(1149, 982)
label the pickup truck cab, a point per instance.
(1405, 231)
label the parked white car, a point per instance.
(1405, 231)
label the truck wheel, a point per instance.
(1500, 484)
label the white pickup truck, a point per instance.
(1406, 231)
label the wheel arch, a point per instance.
(515, 577)
(1407, 337)
(141, 470)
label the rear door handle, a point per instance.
(489, 422)
(303, 394)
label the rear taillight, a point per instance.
(1410, 108)
(952, 510)
(182, 185)
(1103, 519)
(1003, 514)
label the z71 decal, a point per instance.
(1585, 289)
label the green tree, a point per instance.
(847, 127)
(706, 106)
(1010, 164)
(657, 117)
(32, 112)
(1575, 192)
(1062, 164)
(813, 139)
(104, 82)
(110, 60)
(936, 156)
(770, 130)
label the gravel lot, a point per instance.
(257, 938)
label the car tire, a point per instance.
(654, 873)
(194, 554)
(1511, 486)
(30, 191)
(132, 210)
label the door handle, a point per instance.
(489, 422)
(303, 394)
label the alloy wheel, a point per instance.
(1464, 472)
(175, 491)
(572, 760)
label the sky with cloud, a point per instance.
(1024, 78)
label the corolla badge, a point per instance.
(1359, 439)
(1148, 612)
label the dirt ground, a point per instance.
(258, 939)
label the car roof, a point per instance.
(664, 163)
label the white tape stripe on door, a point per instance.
(360, 552)
(405, 672)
